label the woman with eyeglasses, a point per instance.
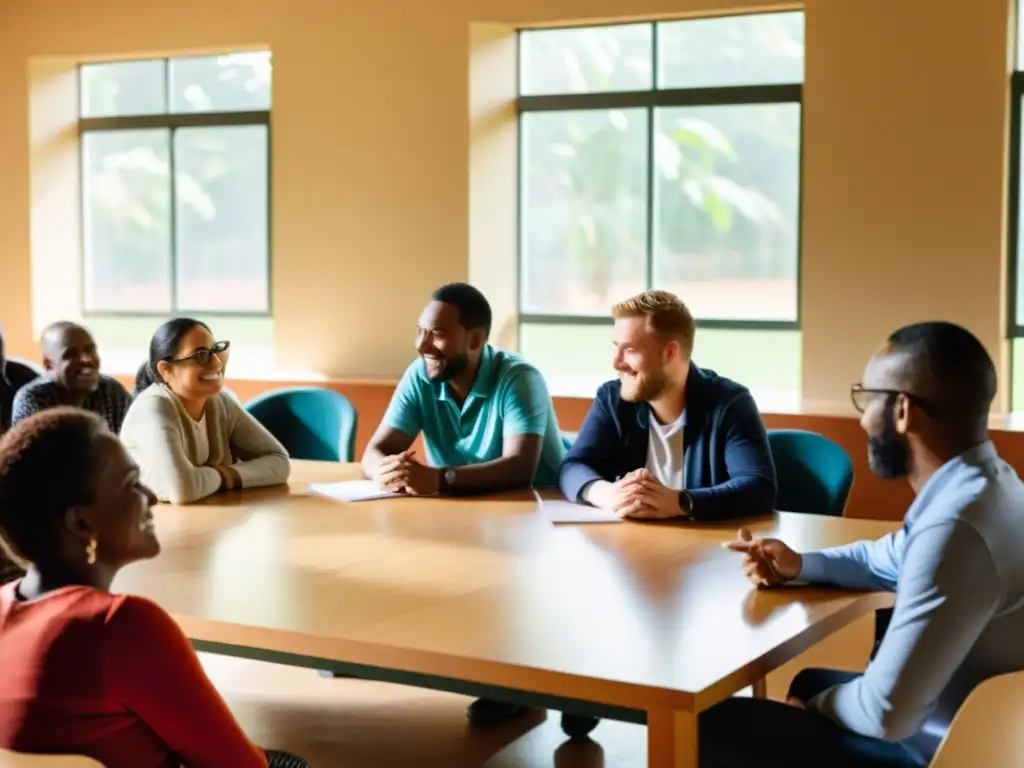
(189, 437)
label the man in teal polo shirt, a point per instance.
(485, 415)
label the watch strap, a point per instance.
(685, 504)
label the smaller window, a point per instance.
(234, 82)
(760, 49)
(586, 60)
(123, 89)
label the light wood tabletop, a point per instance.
(641, 622)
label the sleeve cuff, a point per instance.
(814, 568)
(245, 473)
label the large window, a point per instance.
(175, 168)
(663, 155)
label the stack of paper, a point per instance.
(351, 490)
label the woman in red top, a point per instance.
(84, 671)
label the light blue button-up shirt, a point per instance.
(509, 397)
(957, 567)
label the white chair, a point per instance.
(19, 760)
(986, 730)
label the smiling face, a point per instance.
(196, 370)
(71, 357)
(644, 361)
(120, 518)
(446, 348)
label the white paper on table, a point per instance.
(559, 512)
(351, 490)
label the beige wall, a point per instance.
(382, 140)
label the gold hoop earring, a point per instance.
(90, 551)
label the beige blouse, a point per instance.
(160, 436)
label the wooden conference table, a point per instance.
(644, 623)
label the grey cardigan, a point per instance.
(157, 434)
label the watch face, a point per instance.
(449, 476)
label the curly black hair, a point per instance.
(47, 464)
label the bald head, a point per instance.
(942, 364)
(55, 338)
(70, 357)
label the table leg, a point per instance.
(671, 739)
(760, 688)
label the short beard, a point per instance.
(637, 389)
(889, 452)
(452, 367)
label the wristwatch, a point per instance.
(685, 504)
(448, 478)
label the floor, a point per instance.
(347, 723)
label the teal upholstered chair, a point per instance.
(311, 422)
(814, 473)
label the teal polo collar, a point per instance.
(483, 385)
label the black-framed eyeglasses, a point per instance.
(202, 355)
(861, 396)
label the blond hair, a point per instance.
(666, 315)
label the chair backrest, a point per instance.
(311, 422)
(814, 473)
(20, 371)
(19, 760)
(568, 438)
(986, 730)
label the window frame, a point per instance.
(171, 122)
(653, 99)
(1014, 324)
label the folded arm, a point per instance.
(948, 592)
(751, 487)
(261, 459)
(592, 456)
(402, 422)
(152, 435)
(525, 408)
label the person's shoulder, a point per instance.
(132, 614)
(152, 403)
(39, 388)
(414, 378)
(609, 395)
(75, 605)
(716, 388)
(986, 496)
(112, 385)
(509, 366)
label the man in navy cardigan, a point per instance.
(668, 439)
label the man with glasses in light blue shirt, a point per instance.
(486, 417)
(955, 566)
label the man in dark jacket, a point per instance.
(669, 440)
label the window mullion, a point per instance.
(173, 212)
(652, 193)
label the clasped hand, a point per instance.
(638, 495)
(401, 473)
